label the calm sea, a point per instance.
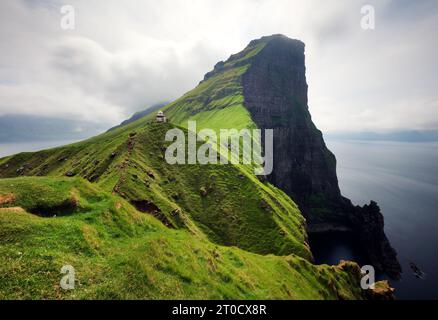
(403, 179)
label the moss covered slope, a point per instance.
(121, 253)
(144, 229)
(227, 205)
(134, 226)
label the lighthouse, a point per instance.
(161, 117)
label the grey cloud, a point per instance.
(124, 56)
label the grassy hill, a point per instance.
(217, 102)
(131, 164)
(135, 227)
(121, 253)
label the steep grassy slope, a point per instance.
(131, 164)
(217, 102)
(265, 86)
(119, 252)
(134, 226)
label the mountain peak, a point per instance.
(265, 86)
(267, 47)
(276, 39)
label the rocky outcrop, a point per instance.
(275, 93)
(379, 291)
(369, 224)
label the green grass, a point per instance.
(213, 102)
(120, 253)
(217, 246)
(135, 227)
(234, 117)
(139, 172)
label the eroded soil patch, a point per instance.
(7, 199)
(66, 208)
(150, 207)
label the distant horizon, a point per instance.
(65, 129)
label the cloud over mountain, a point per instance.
(122, 57)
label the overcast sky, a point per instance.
(125, 55)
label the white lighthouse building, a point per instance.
(161, 117)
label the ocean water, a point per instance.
(403, 179)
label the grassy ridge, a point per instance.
(120, 253)
(209, 197)
(136, 227)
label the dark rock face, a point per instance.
(369, 223)
(275, 92)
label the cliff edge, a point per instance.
(275, 93)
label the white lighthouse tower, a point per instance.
(161, 117)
